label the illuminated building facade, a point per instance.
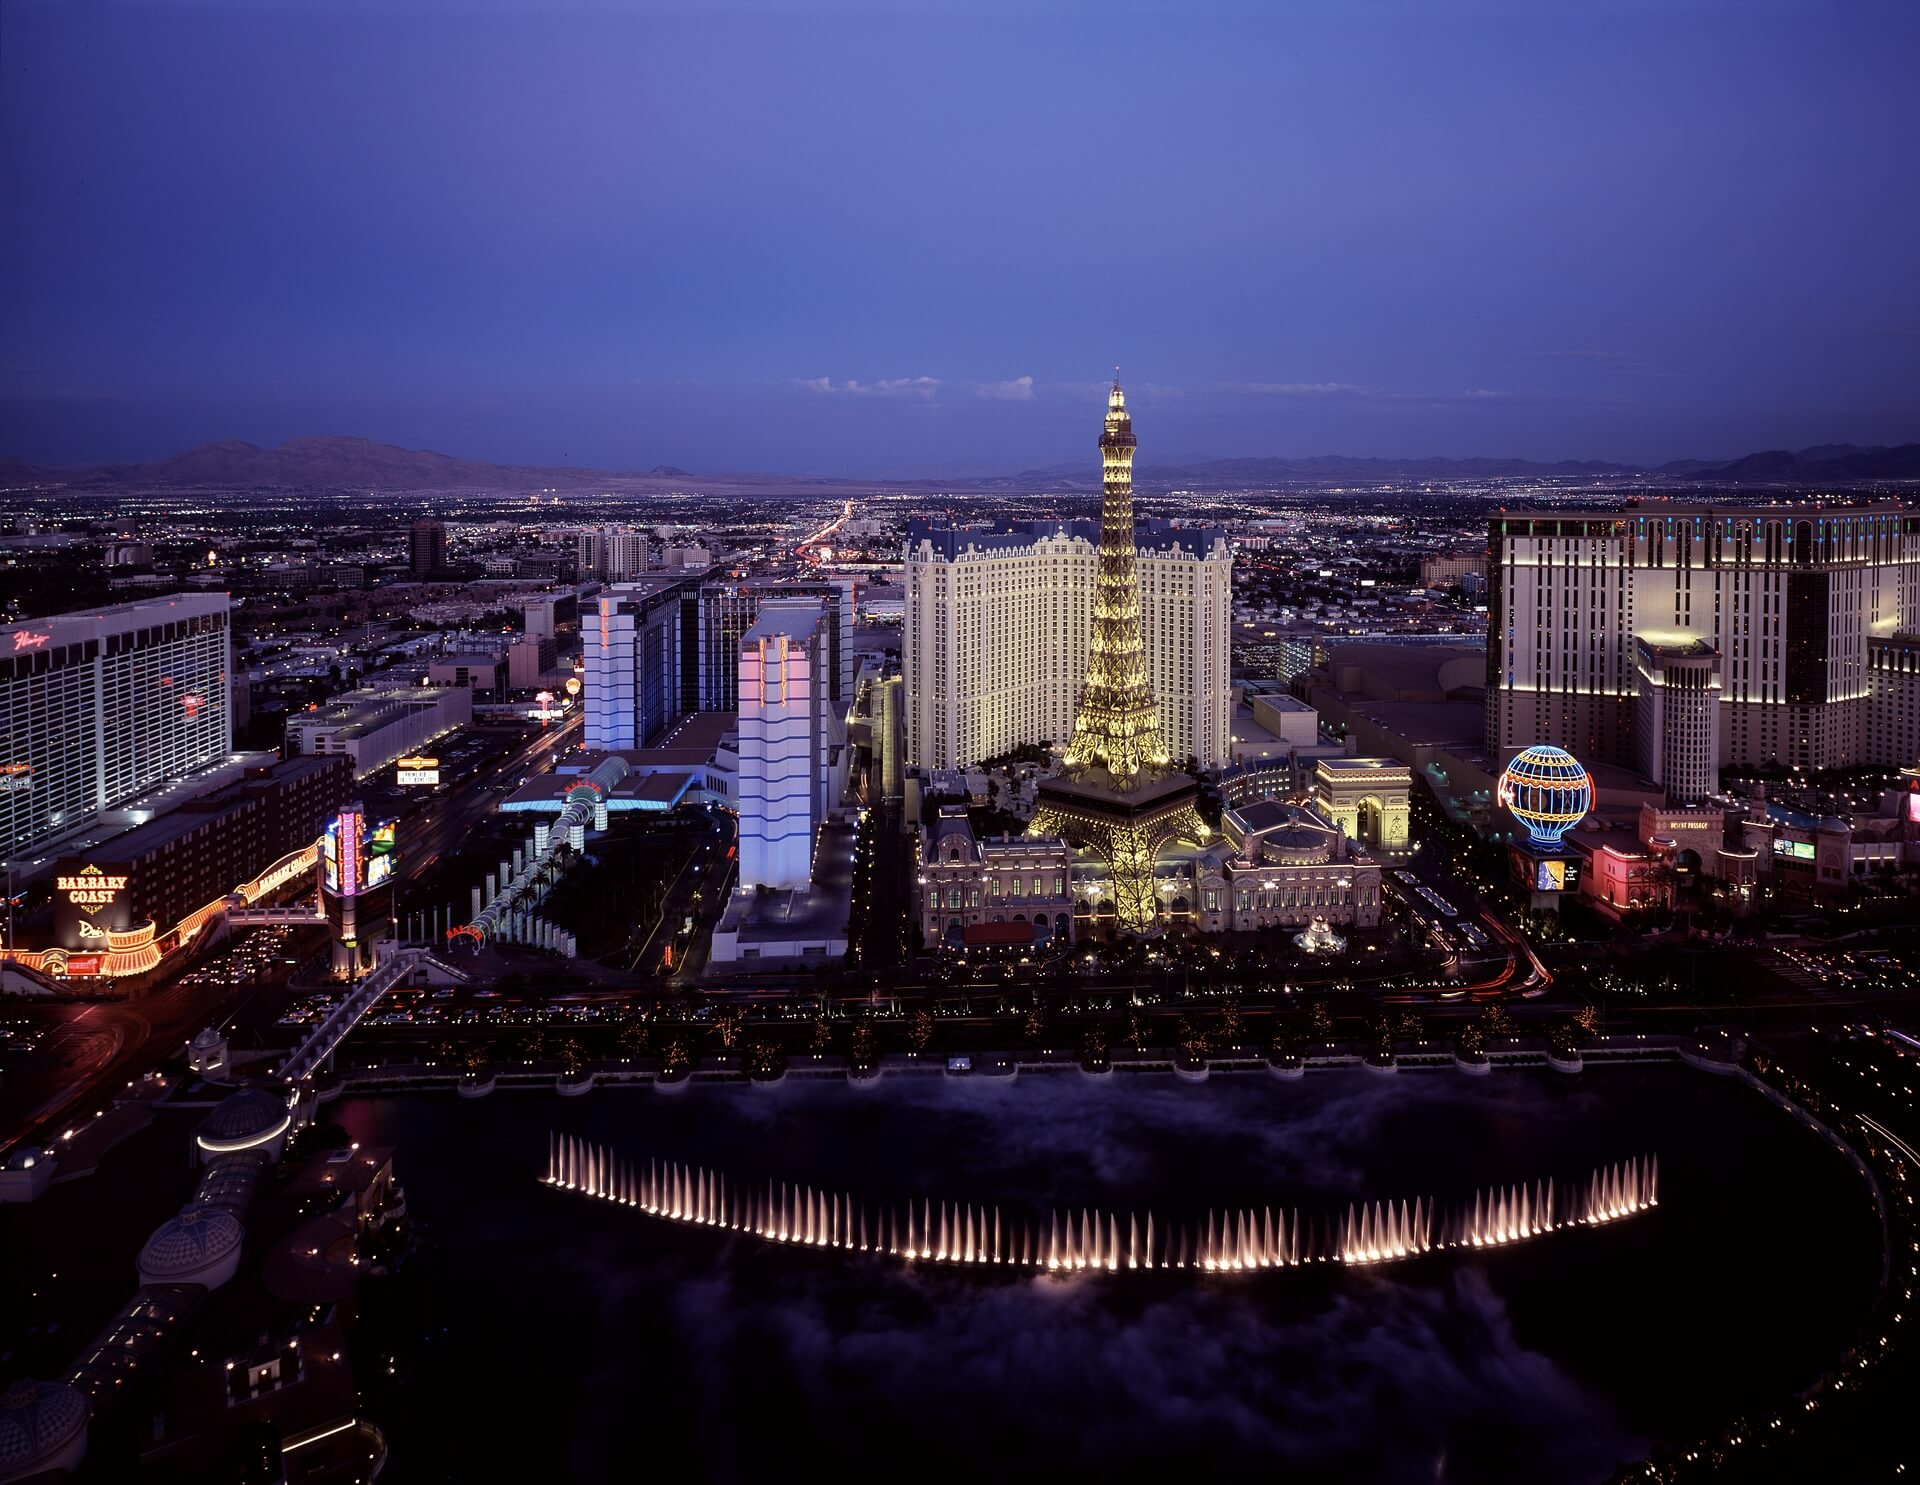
(1287, 866)
(727, 610)
(632, 656)
(98, 707)
(1115, 795)
(976, 597)
(1893, 711)
(376, 726)
(1677, 722)
(1004, 892)
(1366, 798)
(1589, 612)
(793, 755)
(160, 872)
(357, 858)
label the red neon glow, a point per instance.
(26, 639)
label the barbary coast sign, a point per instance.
(89, 902)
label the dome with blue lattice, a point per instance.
(1547, 791)
(43, 1427)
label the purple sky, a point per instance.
(850, 237)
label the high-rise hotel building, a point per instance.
(97, 707)
(1677, 640)
(998, 624)
(792, 742)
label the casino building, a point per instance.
(1677, 640)
(998, 625)
(98, 707)
(197, 853)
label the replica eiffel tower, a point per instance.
(1115, 795)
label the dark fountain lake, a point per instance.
(543, 1334)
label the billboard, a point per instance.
(90, 900)
(380, 854)
(1793, 850)
(340, 852)
(418, 771)
(356, 857)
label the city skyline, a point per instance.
(846, 242)
(594, 552)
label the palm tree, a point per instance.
(634, 1037)
(764, 1058)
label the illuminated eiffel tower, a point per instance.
(1114, 795)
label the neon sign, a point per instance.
(91, 888)
(26, 639)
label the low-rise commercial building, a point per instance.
(164, 870)
(1001, 892)
(375, 726)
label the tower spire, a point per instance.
(1117, 727)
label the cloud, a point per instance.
(1020, 389)
(921, 387)
(1352, 392)
(1297, 389)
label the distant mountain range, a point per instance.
(1825, 464)
(336, 463)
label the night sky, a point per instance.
(837, 237)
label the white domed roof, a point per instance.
(184, 1245)
(251, 1114)
(37, 1421)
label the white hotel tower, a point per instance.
(1679, 639)
(792, 745)
(97, 707)
(998, 624)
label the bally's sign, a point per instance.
(88, 904)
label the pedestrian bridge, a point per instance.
(286, 914)
(392, 965)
